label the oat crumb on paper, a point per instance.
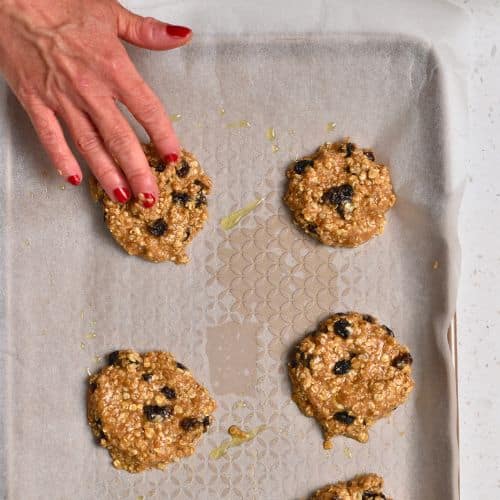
(239, 124)
(163, 232)
(362, 487)
(340, 194)
(147, 410)
(239, 404)
(350, 373)
(435, 264)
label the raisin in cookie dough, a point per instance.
(147, 410)
(164, 231)
(348, 374)
(363, 487)
(340, 194)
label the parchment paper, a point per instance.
(390, 76)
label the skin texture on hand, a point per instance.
(66, 64)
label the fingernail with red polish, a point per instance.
(171, 157)
(122, 194)
(177, 31)
(74, 179)
(147, 199)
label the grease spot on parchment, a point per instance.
(232, 355)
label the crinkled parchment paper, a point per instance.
(388, 74)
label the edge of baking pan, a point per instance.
(453, 343)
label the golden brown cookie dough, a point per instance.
(363, 487)
(164, 231)
(350, 373)
(147, 410)
(340, 194)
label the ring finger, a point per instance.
(90, 145)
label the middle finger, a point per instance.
(122, 143)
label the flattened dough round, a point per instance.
(164, 231)
(350, 373)
(340, 194)
(147, 410)
(362, 487)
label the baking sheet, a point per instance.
(248, 295)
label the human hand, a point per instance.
(65, 63)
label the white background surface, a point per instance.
(479, 298)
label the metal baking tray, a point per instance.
(70, 294)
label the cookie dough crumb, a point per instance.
(164, 231)
(238, 437)
(350, 373)
(236, 432)
(363, 487)
(340, 194)
(147, 410)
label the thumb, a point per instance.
(150, 33)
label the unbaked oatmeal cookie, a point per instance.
(350, 373)
(164, 231)
(340, 194)
(147, 410)
(363, 487)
